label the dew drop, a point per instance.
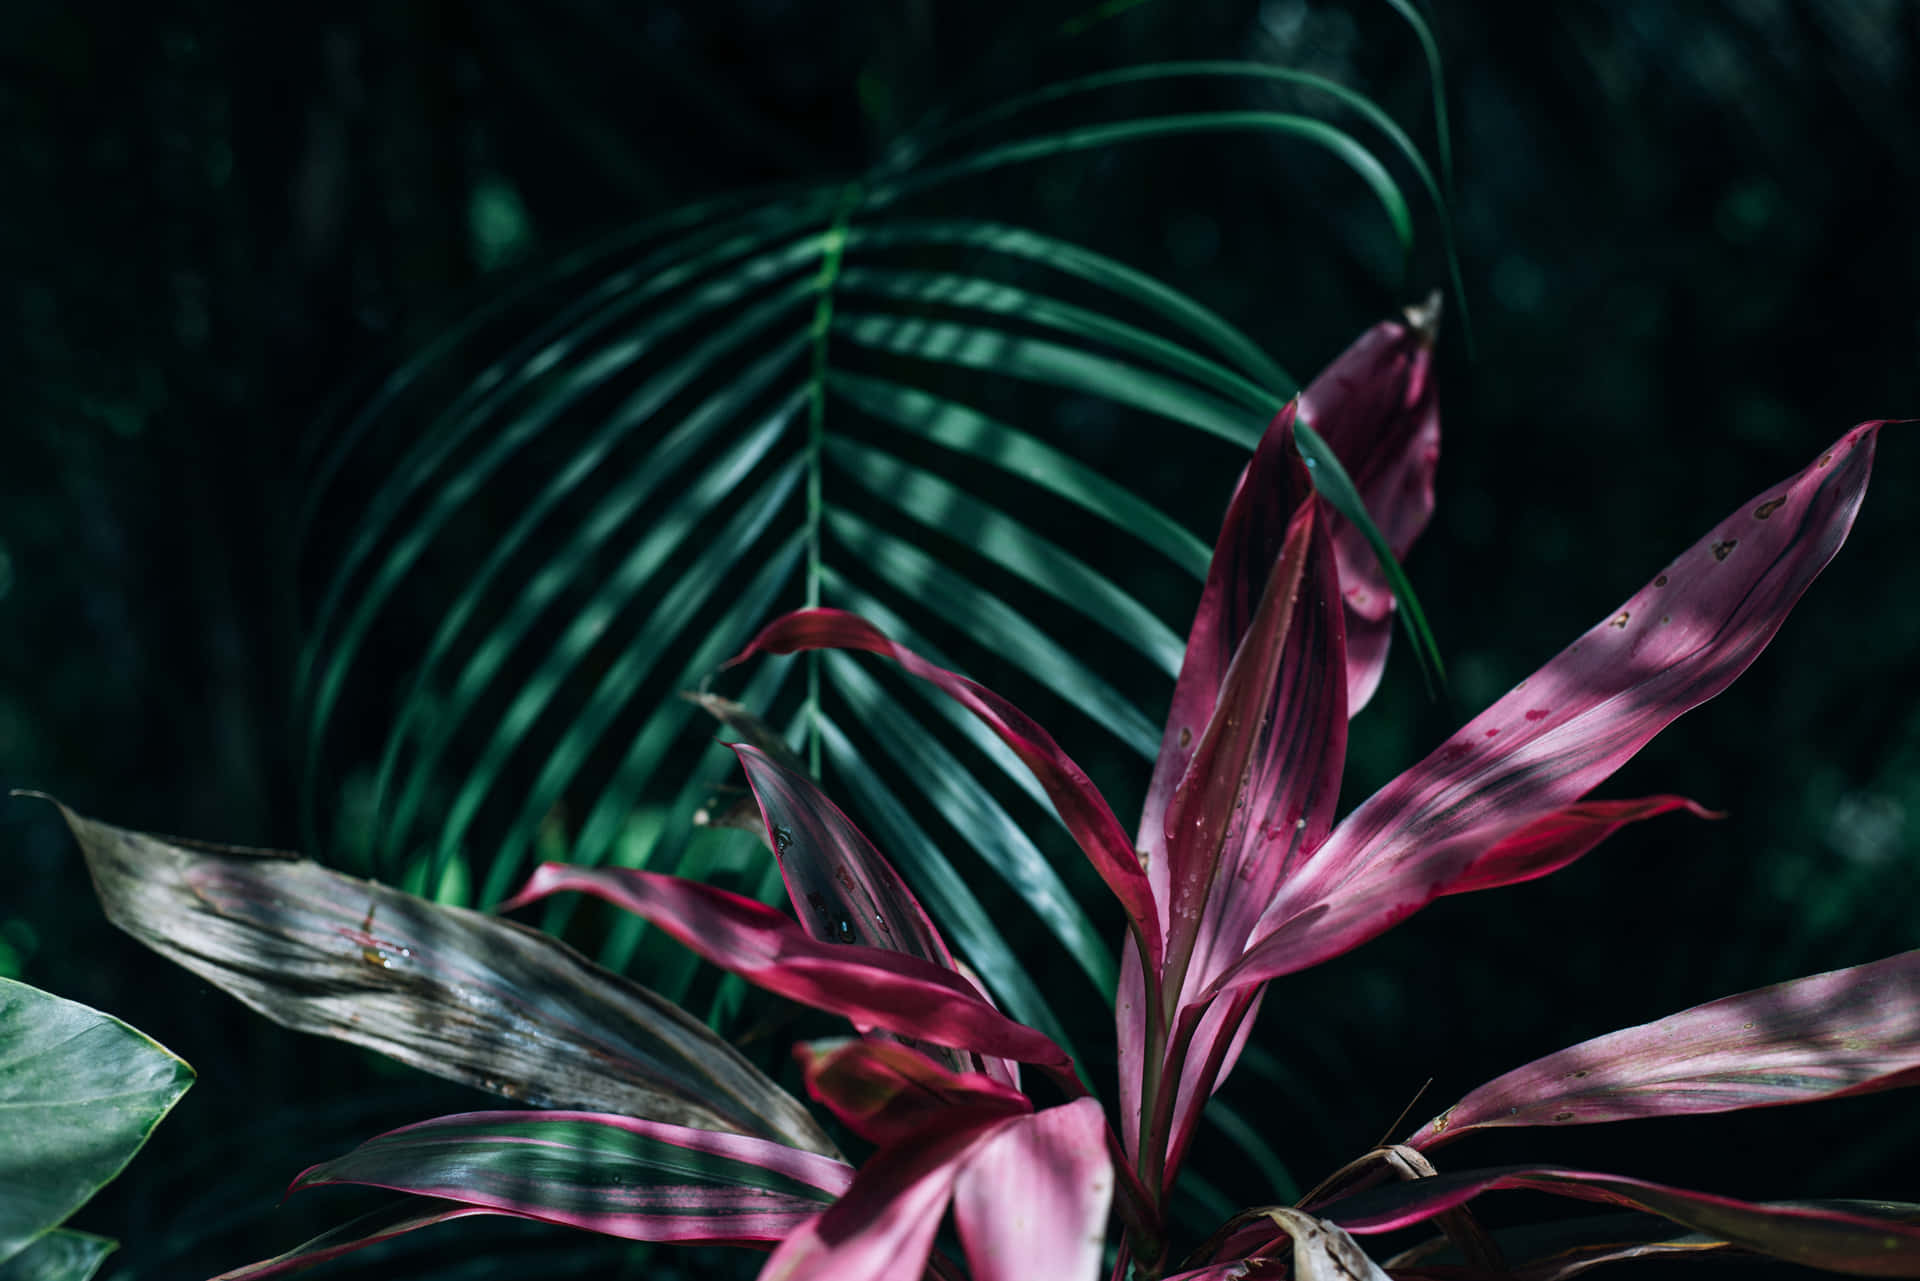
(782, 838)
(842, 929)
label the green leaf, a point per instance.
(944, 507)
(949, 423)
(80, 1091)
(60, 1255)
(1096, 137)
(1333, 484)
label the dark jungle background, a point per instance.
(1690, 252)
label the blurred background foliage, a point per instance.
(1688, 246)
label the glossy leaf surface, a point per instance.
(1033, 1199)
(462, 995)
(642, 1180)
(1844, 1032)
(80, 1091)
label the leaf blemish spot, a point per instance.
(1536, 713)
(1720, 550)
(1769, 507)
(1186, 737)
(1660, 581)
(782, 838)
(1620, 620)
(1563, 1116)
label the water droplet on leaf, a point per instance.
(782, 838)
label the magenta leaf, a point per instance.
(1260, 789)
(1251, 535)
(457, 993)
(873, 987)
(1033, 1199)
(369, 1229)
(841, 888)
(886, 1092)
(1839, 1240)
(640, 1180)
(1844, 1032)
(843, 891)
(1079, 803)
(1548, 844)
(1377, 408)
(1675, 644)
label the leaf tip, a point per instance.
(1424, 318)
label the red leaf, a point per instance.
(876, 988)
(1079, 803)
(1549, 844)
(886, 1092)
(1378, 410)
(1251, 535)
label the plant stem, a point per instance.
(832, 249)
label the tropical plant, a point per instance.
(1239, 875)
(80, 1091)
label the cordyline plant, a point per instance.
(659, 1130)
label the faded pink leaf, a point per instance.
(1033, 1199)
(1848, 1031)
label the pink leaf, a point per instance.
(1033, 1199)
(1080, 805)
(1843, 1032)
(641, 1180)
(883, 1227)
(1548, 844)
(1377, 408)
(840, 886)
(1673, 645)
(886, 1092)
(1839, 1240)
(1263, 781)
(900, 993)
(1251, 535)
